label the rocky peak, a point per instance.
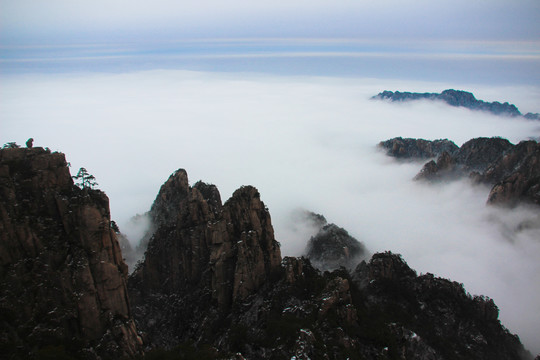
(457, 98)
(382, 266)
(511, 170)
(332, 247)
(246, 301)
(532, 116)
(445, 167)
(389, 266)
(171, 194)
(383, 310)
(516, 176)
(213, 255)
(257, 252)
(63, 280)
(211, 194)
(424, 307)
(407, 148)
(477, 154)
(212, 284)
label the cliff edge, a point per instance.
(63, 280)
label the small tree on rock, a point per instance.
(11, 145)
(84, 180)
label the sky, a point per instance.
(458, 19)
(277, 94)
(496, 40)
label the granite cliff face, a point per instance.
(513, 171)
(213, 282)
(516, 175)
(63, 280)
(202, 253)
(458, 98)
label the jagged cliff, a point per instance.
(430, 317)
(516, 175)
(513, 171)
(458, 98)
(202, 258)
(213, 282)
(63, 281)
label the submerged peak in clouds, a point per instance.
(511, 170)
(304, 142)
(458, 98)
(409, 148)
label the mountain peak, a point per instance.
(458, 98)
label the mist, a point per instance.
(304, 142)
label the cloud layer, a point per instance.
(61, 19)
(303, 142)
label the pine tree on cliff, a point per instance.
(84, 179)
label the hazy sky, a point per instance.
(280, 100)
(495, 41)
(103, 20)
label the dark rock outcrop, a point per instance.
(62, 278)
(407, 148)
(516, 176)
(212, 280)
(212, 284)
(513, 171)
(445, 167)
(381, 310)
(532, 116)
(457, 98)
(473, 156)
(332, 247)
(479, 153)
(420, 309)
(201, 252)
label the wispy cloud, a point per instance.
(494, 61)
(456, 19)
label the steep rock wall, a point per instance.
(63, 280)
(201, 251)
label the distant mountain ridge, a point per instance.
(511, 170)
(458, 98)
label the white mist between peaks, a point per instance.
(304, 143)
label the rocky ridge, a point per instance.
(63, 280)
(407, 148)
(212, 283)
(289, 309)
(513, 171)
(458, 98)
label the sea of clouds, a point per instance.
(304, 142)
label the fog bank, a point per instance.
(303, 142)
